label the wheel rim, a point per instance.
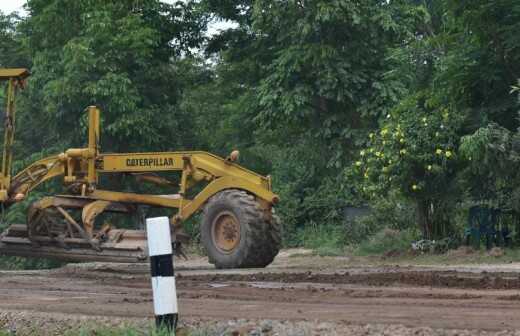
(225, 232)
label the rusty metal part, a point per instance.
(153, 178)
(49, 221)
(86, 237)
(225, 232)
(45, 222)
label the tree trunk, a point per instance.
(425, 219)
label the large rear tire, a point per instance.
(237, 233)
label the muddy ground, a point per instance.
(297, 295)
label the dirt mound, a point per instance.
(496, 252)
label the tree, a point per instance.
(309, 82)
(12, 51)
(415, 152)
(121, 56)
(327, 75)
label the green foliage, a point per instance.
(12, 51)
(316, 84)
(20, 263)
(307, 195)
(387, 241)
(493, 154)
(414, 151)
(322, 238)
(394, 212)
(114, 54)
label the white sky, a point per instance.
(8, 6)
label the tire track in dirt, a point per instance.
(412, 297)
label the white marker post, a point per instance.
(163, 277)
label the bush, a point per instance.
(392, 212)
(323, 239)
(415, 153)
(387, 240)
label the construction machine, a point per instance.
(238, 226)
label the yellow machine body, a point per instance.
(81, 168)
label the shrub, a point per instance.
(392, 212)
(415, 152)
(325, 239)
(387, 240)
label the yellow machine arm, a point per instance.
(82, 166)
(16, 79)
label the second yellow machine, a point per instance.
(238, 228)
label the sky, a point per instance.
(8, 6)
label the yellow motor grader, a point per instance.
(238, 227)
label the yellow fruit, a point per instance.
(448, 154)
(415, 187)
(362, 153)
(438, 151)
(429, 167)
(358, 163)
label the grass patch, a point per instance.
(324, 240)
(453, 257)
(386, 241)
(21, 263)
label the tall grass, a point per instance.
(387, 240)
(323, 239)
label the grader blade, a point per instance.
(90, 211)
(118, 245)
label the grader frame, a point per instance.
(81, 169)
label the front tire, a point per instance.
(237, 233)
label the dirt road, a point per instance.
(413, 297)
